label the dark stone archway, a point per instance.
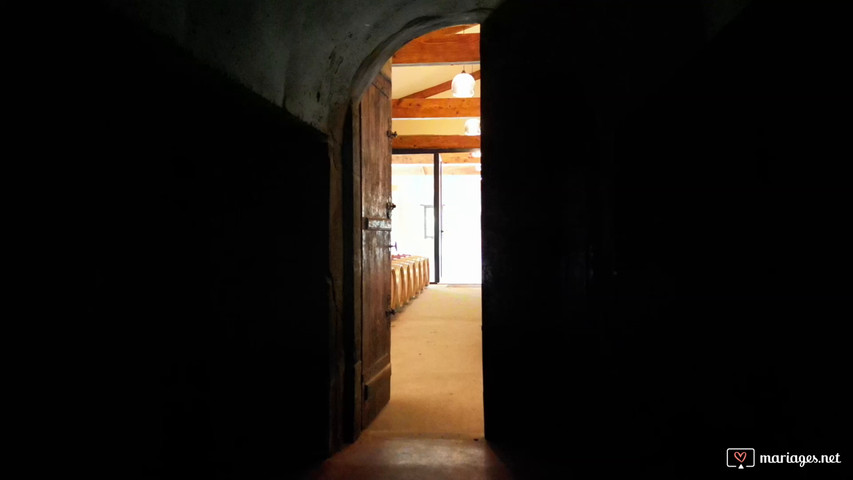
(696, 191)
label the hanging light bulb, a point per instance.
(463, 85)
(472, 126)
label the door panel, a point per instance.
(375, 111)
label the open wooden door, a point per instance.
(375, 143)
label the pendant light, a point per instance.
(463, 85)
(472, 126)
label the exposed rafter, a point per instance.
(422, 159)
(435, 107)
(463, 157)
(440, 48)
(436, 142)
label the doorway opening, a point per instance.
(436, 194)
(417, 362)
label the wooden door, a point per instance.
(375, 141)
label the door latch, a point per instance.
(391, 135)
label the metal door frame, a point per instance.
(436, 194)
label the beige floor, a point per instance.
(433, 426)
(436, 366)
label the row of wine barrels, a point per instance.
(409, 276)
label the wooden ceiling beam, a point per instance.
(435, 142)
(412, 159)
(459, 157)
(440, 88)
(426, 159)
(434, 49)
(435, 107)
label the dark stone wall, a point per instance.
(676, 283)
(200, 225)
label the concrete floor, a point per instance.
(433, 426)
(437, 366)
(378, 456)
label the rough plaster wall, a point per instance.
(250, 40)
(303, 55)
(351, 40)
(310, 56)
(718, 13)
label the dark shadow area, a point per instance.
(693, 294)
(200, 224)
(694, 211)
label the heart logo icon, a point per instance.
(740, 456)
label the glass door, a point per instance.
(419, 181)
(461, 257)
(413, 218)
